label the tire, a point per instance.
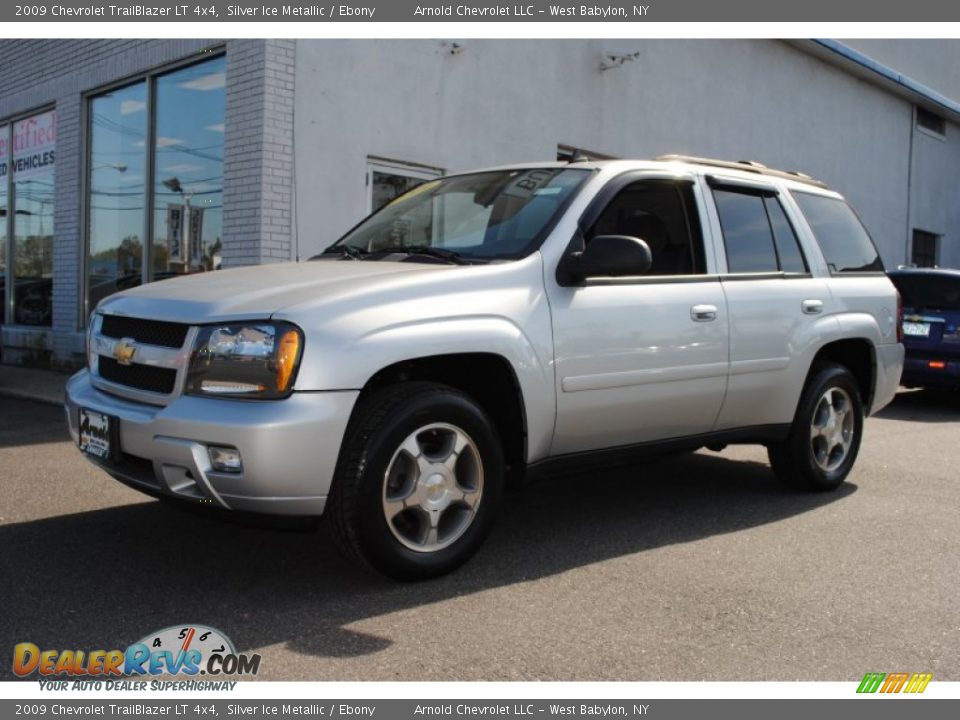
(825, 435)
(419, 481)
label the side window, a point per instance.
(746, 232)
(788, 248)
(662, 214)
(757, 234)
(844, 240)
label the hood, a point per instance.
(260, 291)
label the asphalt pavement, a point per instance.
(696, 567)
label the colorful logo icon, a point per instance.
(179, 649)
(894, 682)
(124, 350)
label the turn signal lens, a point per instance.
(288, 352)
(256, 360)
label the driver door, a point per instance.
(641, 359)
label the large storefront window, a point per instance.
(155, 202)
(27, 155)
(117, 172)
(188, 171)
(4, 204)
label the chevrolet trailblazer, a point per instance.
(496, 323)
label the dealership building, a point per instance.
(129, 161)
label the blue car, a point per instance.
(931, 326)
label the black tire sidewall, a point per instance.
(378, 544)
(830, 376)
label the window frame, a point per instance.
(400, 168)
(794, 192)
(696, 220)
(925, 235)
(764, 192)
(9, 292)
(149, 78)
(940, 132)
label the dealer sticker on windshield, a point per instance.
(95, 433)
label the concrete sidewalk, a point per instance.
(33, 384)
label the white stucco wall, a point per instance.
(505, 101)
(932, 62)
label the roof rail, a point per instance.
(745, 165)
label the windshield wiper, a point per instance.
(427, 250)
(346, 251)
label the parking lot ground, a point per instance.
(695, 567)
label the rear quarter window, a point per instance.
(844, 240)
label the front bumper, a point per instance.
(289, 447)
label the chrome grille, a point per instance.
(140, 359)
(149, 332)
(141, 377)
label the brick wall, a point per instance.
(258, 152)
(258, 146)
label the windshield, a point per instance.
(490, 215)
(929, 292)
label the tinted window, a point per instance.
(657, 213)
(844, 241)
(788, 249)
(746, 232)
(923, 291)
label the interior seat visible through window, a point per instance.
(656, 212)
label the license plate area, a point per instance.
(99, 434)
(916, 329)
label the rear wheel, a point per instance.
(825, 436)
(419, 481)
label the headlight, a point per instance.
(249, 360)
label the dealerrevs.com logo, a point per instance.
(187, 649)
(895, 682)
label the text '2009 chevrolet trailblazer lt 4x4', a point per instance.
(497, 323)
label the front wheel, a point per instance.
(418, 483)
(825, 436)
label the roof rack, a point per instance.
(745, 165)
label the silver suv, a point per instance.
(493, 325)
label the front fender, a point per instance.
(354, 363)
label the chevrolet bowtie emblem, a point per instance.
(124, 351)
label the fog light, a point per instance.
(225, 459)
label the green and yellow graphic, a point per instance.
(894, 682)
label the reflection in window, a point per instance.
(746, 232)
(118, 131)
(4, 178)
(31, 170)
(788, 247)
(188, 177)
(844, 240)
(188, 111)
(388, 179)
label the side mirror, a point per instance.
(607, 256)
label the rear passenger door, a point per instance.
(775, 304)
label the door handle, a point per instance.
(812, 307)
(703, 313)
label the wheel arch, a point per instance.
(859, 356)
(489, 378)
